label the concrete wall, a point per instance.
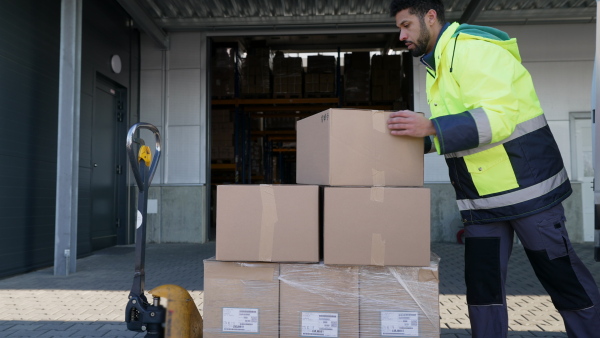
(178, 215)
(445, 218)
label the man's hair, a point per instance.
(419, 8)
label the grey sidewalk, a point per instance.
(91, 302)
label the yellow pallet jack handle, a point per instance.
(183, 318)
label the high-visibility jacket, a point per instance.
(503, 160)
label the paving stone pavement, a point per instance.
(91, 302)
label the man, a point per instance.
(503, 162)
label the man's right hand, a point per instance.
(409, 123)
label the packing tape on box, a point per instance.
(377, 194)
(377, 250)
(241, 273)
(378, 119)
(379, 125)
(267, 224)
(378, 177)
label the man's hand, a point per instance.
(409, 123)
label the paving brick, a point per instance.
(91, 302)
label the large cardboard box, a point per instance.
(399, 301)
(241, 298)
(268, 223)
(339, 147)
(376, 226)
(318, 300)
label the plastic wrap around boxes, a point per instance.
(318, 300)
(362, 202)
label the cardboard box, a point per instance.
(268, 223)
(376, 226)
(318, 300)
(399, 301)
(354, 147)
(241, 298)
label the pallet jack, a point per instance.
(181, 318)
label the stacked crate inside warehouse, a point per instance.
(224, 72)
(357, 78)
(256, 73)
(343, 253)
(287, 76)
(320, 77)
(222, 131)
(386, 78)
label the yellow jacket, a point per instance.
(504, 162)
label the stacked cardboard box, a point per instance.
(386, 78)
(376, 276)
(223, 73)
(222, 131)
(319, 80)
(287, 76)
(241, 298)
(357, 77)
(256, 73)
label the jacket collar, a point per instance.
(429, 59)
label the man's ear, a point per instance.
(431, 17)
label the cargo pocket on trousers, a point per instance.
(554, 236)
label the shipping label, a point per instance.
(240, 320)
(399, 324)
(319, 324)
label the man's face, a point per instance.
(413, 32)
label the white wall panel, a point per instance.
(554, 42)
(151, 97)
(185, 51)
(560, 130)
(436, 169)
(562, 87)
(182, 160)
(152, 57)
(184, 97)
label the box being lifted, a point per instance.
(268, 223)
(354, 147)
(376, 226)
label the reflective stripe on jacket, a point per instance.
(503, 160)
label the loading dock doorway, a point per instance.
(107, 223)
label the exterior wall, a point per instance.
(560, 59)
(173, 98)
(29, 78)
(105, 32)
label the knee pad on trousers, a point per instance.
(560, 281)
(482, 271)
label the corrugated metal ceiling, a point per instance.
(176, 14)
(251, 19)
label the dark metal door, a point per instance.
(105, 221)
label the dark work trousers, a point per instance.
(569, 283)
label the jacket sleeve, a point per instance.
(485, 75)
